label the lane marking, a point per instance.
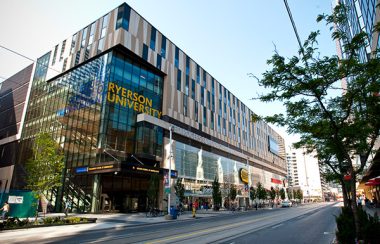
(274, 227)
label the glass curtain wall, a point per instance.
(132, 89)
(202, 166)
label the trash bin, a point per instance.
(173, 212)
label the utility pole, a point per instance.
(170, 165)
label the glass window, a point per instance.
(163, 47)
(73, 42)
(179, 80)
(198, 74)
(123, 15)
(202, 96)
(193, 89)
(204, 79)
(187, 85)
(153, 38)
(145, 52)
(104, 26)
(212, 120)
(92, 34)
(54, 55)
(84, 36)
(185, 100)
(187, 65)
(204, 116)
(196, 111)
(176, 57)
(62, 50)
(159, 60)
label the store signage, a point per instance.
(100, 167)
(16, 199)
(276, 181)
(81, 170)
(127, 98)
(244, 175)
(145, 169)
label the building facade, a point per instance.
(109, 94)
(304, 173)
(13, 96)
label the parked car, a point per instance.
(286, 204)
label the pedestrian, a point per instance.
(5, 209)
(67, 207)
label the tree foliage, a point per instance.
(233, 192)
(216, 194)
(272, 193)
(44, 169)
(252, 193)
(282, 194)
(261, 192)
(339, 123)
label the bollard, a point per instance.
(194, 212)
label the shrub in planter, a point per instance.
(345, 225)
(369, 227)
(72, 220)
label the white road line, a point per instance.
(274, 227)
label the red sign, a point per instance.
(276, 181)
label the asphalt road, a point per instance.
(313, 223)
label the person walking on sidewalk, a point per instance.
(67, 207)
(5, 209)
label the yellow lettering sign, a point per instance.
(124, 97)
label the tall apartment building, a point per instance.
(304, 173)
(109, 94)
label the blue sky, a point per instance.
(243, 33)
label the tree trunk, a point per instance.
(346, 199)
(354, 207)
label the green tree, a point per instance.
(180, 190)
(44, 169)
(216, 194)
(233, 192)
(272, 194)
(153, 189)
(298, 194)
(261, 192)
(282, 194)
(340, 123)
(252, 193)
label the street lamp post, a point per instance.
(170, 166)
(249, 178)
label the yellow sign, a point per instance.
(124, 97)
(244, 175)
(146, 169)
(100, 167)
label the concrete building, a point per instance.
(113, 93)
(304, 173)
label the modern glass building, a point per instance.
(109, 94)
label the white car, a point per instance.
(286, 204)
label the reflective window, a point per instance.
(163, 46)
(153, 38)
(176, 57)
(123, 14)
(179, 80)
